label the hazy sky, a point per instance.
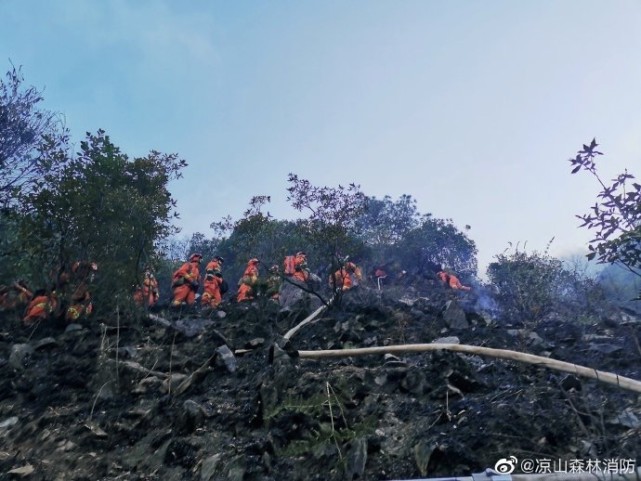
(471, 107)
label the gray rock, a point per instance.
(191, 416)
(356, 459)
(127, 352)
(454, 316)
(290, 294)
(393, 361)
(605, 348)
(488, 319)
(414, 382)
(9, 423)
(254, 343)
(628, 419)
(422, 454)
(20, 355)
(407, 301)
(74, 327)
(209, 466)
(46, 342)
(228, 358)
(535, 340)
(446, 340)
(192, 327)
(515, 332)
(236, 469)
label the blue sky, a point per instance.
(471, 107)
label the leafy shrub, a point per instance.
(525, 284)
(529, 286)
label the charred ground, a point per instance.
(212, 397)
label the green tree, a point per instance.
(438, 241)
(101, 207)
(385, 222)
(616, 216)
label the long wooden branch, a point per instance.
(307, 320)
(159, 320)
(190, 379)
(139, 368)
(606, 377)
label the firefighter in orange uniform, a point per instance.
(147, 295)
(346, 277)
(41, 307)
(185, 281)
(301, 272)
(248, 281)
(213, 295)
(451, 281)
(82, 273)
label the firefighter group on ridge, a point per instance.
(70, 296)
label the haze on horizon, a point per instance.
(472, 108)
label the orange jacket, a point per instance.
(247, 282)
(451, 281)
(184, 283)
(212, 296)
(250, 276)
(148, 292)
(300, 265)
(188, 273)
(40, 308)
(213, 268)
(345, 277)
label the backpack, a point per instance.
(290, 265)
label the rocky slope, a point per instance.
(225, 398)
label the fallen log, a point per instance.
(606, 377)
(160, 320)
(288, 335)
(189, 380)
(134, 366)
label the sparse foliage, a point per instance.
(24, 127)
(333, 213)
(616, 217)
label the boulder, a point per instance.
(454, 316)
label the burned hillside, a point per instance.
(185, 395)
